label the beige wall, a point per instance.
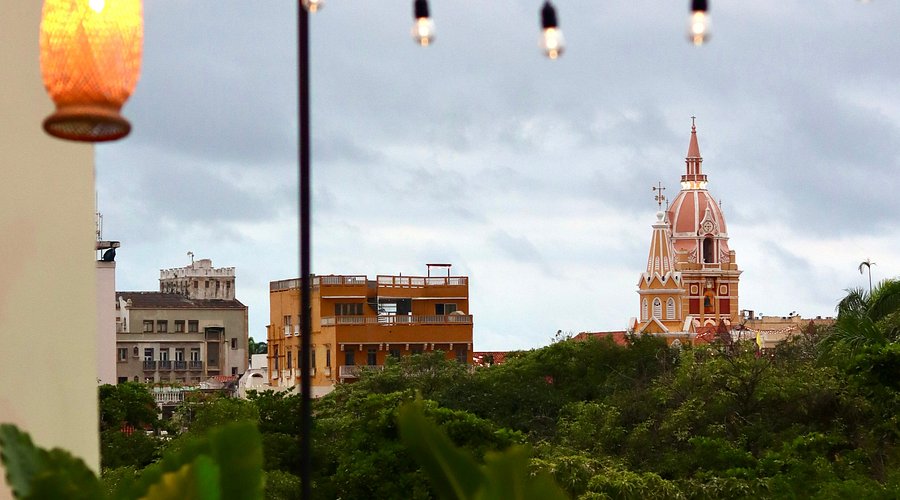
(234, 322)
(47, 294)
(106, 322)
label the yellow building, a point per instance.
(357, 323)
(690, 286)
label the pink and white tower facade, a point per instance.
(690, 286)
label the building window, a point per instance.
(206, 284)
(164, 354)
(312, 358)
(121, 380)
(657, 308)
(136, 351)
(644, 309)
(444, 309)
(371, 356)
(394, 353)
(670, 308)
(123, 354)
(193, 326)
(162, 326)
(179, 354)
(233, 368)
(233, 343)
(148, 354)
(179, 326)
(416, 350)
(462, 354)
(148, 326)
(348, 309)
(136, 379)
(195, 354)
(328, 358)
(290, 360)
(196, 285)
(287, 320)
(709, 254)
(349, 356)
(277, 359)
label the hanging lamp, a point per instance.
(90, 61)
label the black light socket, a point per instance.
(420, 9)
(548, 16)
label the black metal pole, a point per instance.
(305, 271)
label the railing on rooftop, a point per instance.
(330, 280)
(390, 320)
(420, 281)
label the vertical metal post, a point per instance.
(305, 230)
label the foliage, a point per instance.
(254, 347)
(455, 474)
(128, 403)
(282, 486)
(226, 464)
(120, 449)
(865, 319)
(201, 412)
(34, 472)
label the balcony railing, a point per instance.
(149, 365)
(181, 365)
(165, 364)
(168, 396)
(390, 320)
(420, 281)
(352, 371)
(195, 365)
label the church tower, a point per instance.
(703, 281)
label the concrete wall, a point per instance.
(47, 291)
(106, 322)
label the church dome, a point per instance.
(694, 214)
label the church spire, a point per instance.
(694, 178)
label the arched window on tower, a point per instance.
(670, 308)
(709, 251)
(644, 310)
(657, 308)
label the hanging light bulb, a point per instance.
(698, 23)
(552, 41)
(423, 28)
(313, 6)
(90, 63)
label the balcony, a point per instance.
(195, 365)
(181, 365)
(149, 365)
(353, 371)
(165, 364)
(391, 320)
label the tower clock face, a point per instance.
(707, 226)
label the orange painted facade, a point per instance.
(691, 281)
(358, 323)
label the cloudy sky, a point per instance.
(531, 176)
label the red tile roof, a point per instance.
(619, 337)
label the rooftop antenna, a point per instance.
(191, 255)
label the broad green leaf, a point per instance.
(454, 473)
(65, 476)
(21, 459)
(198, 480)
(237, 449)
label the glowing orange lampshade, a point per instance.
(90, 60)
